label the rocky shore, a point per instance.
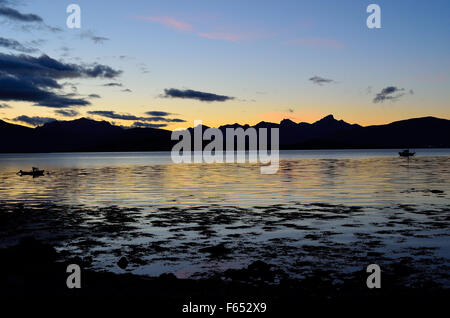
(30, 271)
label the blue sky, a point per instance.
(261, 53)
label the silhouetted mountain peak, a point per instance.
(82, 125)
(86, 134)
(329, 122)
(5, 125)
(326, 119)
(265, 124)
(235, 125)
(288, 123)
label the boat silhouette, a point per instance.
(406, 153)
(35, 172)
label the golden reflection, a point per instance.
(371, 181)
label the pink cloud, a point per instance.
(223, 36)
(231, 37)
(317, 42)
(170, 22)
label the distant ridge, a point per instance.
(327, 133)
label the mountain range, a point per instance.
(328, 133)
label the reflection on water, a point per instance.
(323, 209)
(375, 177)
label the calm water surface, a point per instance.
(336, 209)
(357, 177)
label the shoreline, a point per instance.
(225, 243)
(30, 270)
(282, 149)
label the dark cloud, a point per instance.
(13, 14)
(139, 124)
(46, 66)
(164, 119)
(158, 113)
(321, 80)
(3, 105)
(94, 96)
(35, 89)
(95, 38)
(35, 79)
(113, 115)
(113, 84)
(99, 39)
(100, 70)
(53, 29)
(27, 21)
(390, 93)
(38, 27)
(191, 94)
(34, 121)
(127, 90)
(67, 112)
(290, 110)
(15, 45)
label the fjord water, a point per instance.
(355, 177)
(330, 209)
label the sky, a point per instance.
(167, 63)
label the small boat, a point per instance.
(406, 153)
(35, 172)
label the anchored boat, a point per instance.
(35, 172)
(406, 153)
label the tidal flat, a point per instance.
(292, 241)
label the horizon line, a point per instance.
(9, 121)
